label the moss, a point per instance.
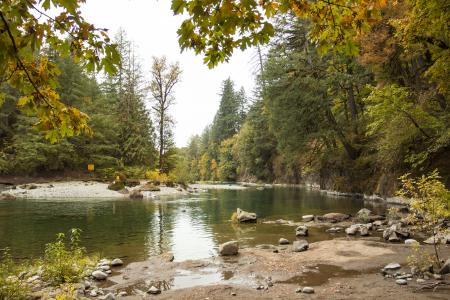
(116, 186)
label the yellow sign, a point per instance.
(91, 167)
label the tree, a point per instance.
(164, 78)
(212, 26)
(26, 28)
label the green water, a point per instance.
(191, 226)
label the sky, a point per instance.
(151, 25)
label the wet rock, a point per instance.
(411, 242)
(245, 217)
(307, 218)
(301, 230)
(392, 266)
(308, 290)
(445, 268)
(401, 282)
(300, 246)
(154, 290)
(99, 275)
(283, 241)
(335, 217)
(136, 194)
(334, 230)
(116, 262)
(229, 248)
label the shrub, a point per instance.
(429, 205)
(65, 264)
(11, 287)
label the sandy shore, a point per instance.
(79, 189)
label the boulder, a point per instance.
(445, 268)
(393, 237)
(300, 246)
(363, 230)
(244, 216)
(136, 194)
(307, 218)
(335, 217)
(392, 266)
(229, 248)
(116, 262)
(283, 241)
(411, 242)
(363, 214)
(149, 187)
(395, 232)
(352, 230)
(99, 275)
(301, 230)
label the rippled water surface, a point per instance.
(191, 227)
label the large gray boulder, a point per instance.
(363, 214)
(300, 246)
(99, 275)
(395, 233)
(245, 217)
(229, 248)
(301, 230)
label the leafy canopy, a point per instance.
(29, 26)
(215, 27)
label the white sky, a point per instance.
(150, 24)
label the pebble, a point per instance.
(99, 275)
(298, 290)
(392, 266)
(308, 290)
(283, 241)
(401, 282)
(260, 287)
(154, 290)
(116, 262)
(233, 294)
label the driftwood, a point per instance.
(432, 285)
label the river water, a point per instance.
(190, 226)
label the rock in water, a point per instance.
(445, 268)
(363, 214)
(229, 248)
(116, 262)
(301, 230)
(300, 246)
(136, 194)
(154, 290)
(99, 275)
(307, 218)
(245, 217)
(335, 217)
(308, 290)
(283, 241)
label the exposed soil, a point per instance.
(337, 269)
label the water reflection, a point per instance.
(191, 227)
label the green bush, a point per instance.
(65, 264)
(11, 287)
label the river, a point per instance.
(191, 227)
